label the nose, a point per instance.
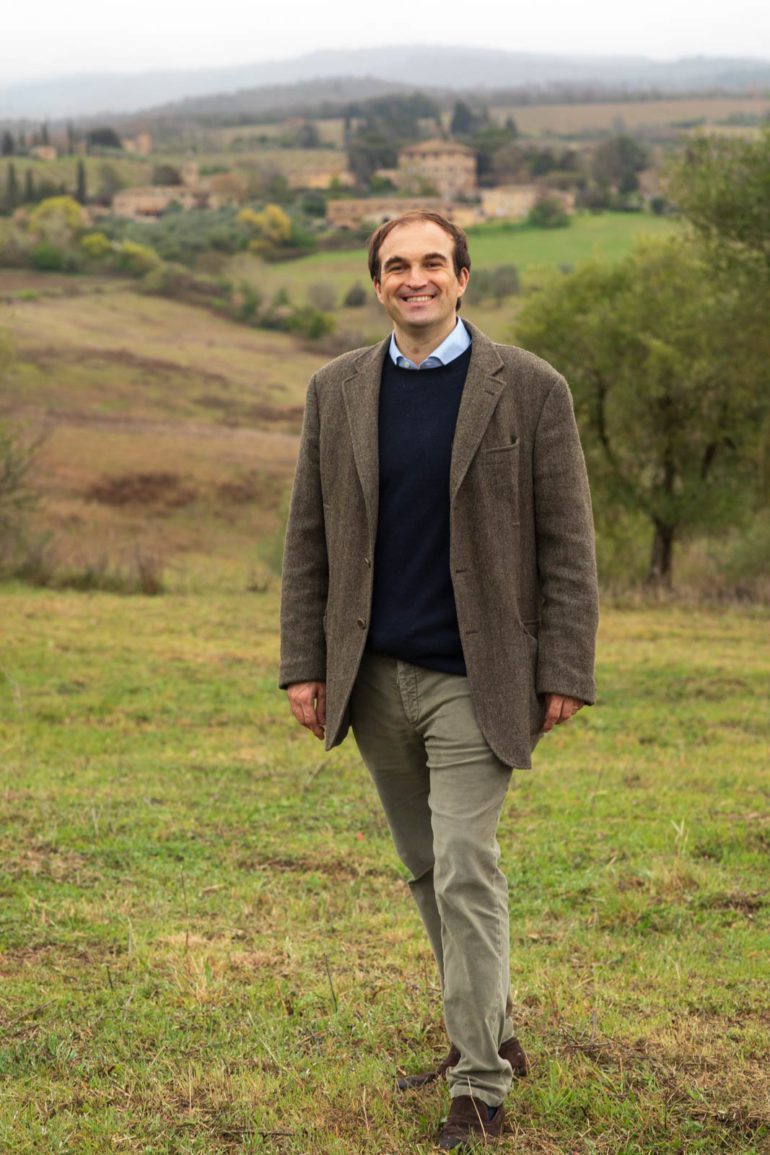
(416, 278)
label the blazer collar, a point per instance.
(361, 391)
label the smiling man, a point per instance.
(439, 597)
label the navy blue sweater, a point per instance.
(413, 610)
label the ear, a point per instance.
(377, 289)
(463, 277)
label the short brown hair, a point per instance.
(460, 254)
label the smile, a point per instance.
(419, 299)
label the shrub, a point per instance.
(323, 295)
(134, 259)
(548, 213)
(96, 246)
(356, 296)
(48, 257)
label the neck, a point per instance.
(420, 344)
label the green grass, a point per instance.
(207, 943)
(605, 236)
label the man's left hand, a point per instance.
(558, 709)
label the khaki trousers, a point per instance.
(442, 790)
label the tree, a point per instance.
(617, 163)
(103, 137)
(11, 188)
(548, 213)
(165, 174)
(7, 144)
(81, 190)
(29, 187)
(722, 186)
(45, 138)
(17, 455)
(670, 371)
(464, 120)
(109, 183)
(356, 296)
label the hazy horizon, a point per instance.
(99, 39)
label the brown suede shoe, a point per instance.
(468, 1122)
(511, 1050)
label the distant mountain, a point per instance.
(415, 66)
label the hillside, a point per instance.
(423, 65)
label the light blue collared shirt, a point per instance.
(450, 349)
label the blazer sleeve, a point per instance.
(566, 557)
(305, 575)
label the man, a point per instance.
(439, 596)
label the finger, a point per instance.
(553, 712)
(320, 705)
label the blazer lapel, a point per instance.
(480, 396)
(361, 390)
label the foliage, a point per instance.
(56, 219)
(134, 259)
(498, 283)
(467, 121)
(669, 370)
(18, 451)
(184, 237)
(96, 246)
(48, 257)
(165, 175)
(722, 186)
(356, 296)
(548, 213)
(323, 295)
(387, 124)
(103, 137)
(617, 163)
(270, 228)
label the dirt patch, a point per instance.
(158, 488)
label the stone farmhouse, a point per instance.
(514, 201)
(444, 166)
(150, 201)
(355, 212)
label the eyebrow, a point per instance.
(396, 260)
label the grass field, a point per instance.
(604, 236)
(195, 415)
(206, 944)
(572, 120)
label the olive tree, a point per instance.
(670, 371)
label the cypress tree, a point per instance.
(81, 192)
(11, 189)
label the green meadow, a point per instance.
(208, 945)
(206, 941)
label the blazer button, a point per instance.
(362, 623)
(367, 562)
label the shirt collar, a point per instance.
(450, 348)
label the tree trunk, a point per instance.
(662, 556)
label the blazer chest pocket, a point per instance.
(501, 469)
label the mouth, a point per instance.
(418, 298)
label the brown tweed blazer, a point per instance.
(521, 533)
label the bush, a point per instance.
(323, 295)
(356, 296)
(134, 259)
(48, 257)
(311, 323)
(548, 213)
(96, 246)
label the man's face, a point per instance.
(418, 285)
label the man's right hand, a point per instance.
(308, 705)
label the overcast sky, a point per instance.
(47, 39)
